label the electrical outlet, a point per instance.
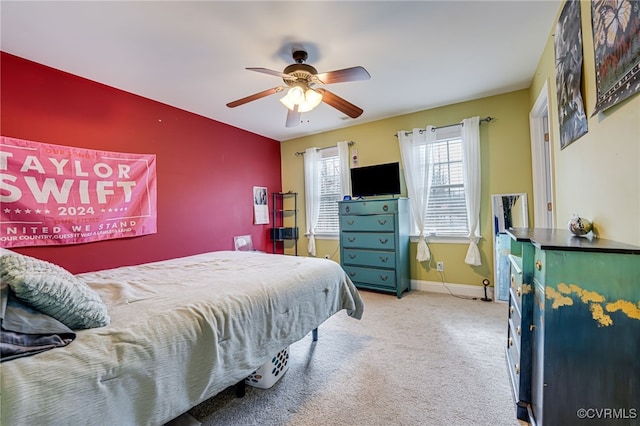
(440, 266)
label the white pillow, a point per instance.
(53, 291)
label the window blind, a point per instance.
(446, 212)
(329, 193)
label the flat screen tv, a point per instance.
(381, 179)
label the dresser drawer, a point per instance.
(378, 277)
(372, 223)
(369, 207)
(515, 314)
(516, 281)
(514, 339)
(539, 265)
(380, 241)
(380, 259)
(513, 360)
(513, 343)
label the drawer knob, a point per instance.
(352, 256)
(532, 327)
(352, 274)
(351, 222)
(511, 309)
(513, 279)
(384, 240)
(384, 277)
(517, 368)
(518, 330)
(347, 209)
(352, 239)
(510, 341)
(538, 265)
(382, 222)
(385, 207)
(384, 259)
(519, 291)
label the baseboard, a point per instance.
(463, 290)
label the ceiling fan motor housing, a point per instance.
(302, 73)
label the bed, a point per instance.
(180, 331)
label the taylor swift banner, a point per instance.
(52, 194)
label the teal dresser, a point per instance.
(576, 319)
(520, 319)
(374, 243)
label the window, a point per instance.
(443, 178)
(446, 214)
(330, 184)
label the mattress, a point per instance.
(181, 331)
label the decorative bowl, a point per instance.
(579, 225)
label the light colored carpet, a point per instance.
(425, 359)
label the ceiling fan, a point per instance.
(304, 94)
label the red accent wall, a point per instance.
(206, 170)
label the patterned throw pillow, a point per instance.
(54, 291)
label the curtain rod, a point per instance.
(328, 147)
(486, 120)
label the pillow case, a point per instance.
(53, 291)
(4, 251)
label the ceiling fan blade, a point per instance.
(340, 104)
(255, 96)
(347, 74)
(272, 72)
(293, 117)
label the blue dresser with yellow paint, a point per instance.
(374, 243)
(578, 360)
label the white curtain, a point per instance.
(312, 195)
(471, 177)
(345, 169)
(418, 179)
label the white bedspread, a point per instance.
(181, 331)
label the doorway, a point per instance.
(542, 162)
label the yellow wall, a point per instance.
(506, 167)
(598, 175)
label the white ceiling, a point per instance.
(193, 54)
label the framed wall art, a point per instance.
(616, 41)
(260, 205)
(568, 63)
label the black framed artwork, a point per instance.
(568, 64)
(616, 42)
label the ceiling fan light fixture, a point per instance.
(312, 98)
(295, 95)
(306, 100)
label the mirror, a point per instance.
(509, 211)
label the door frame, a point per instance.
(542, 162)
